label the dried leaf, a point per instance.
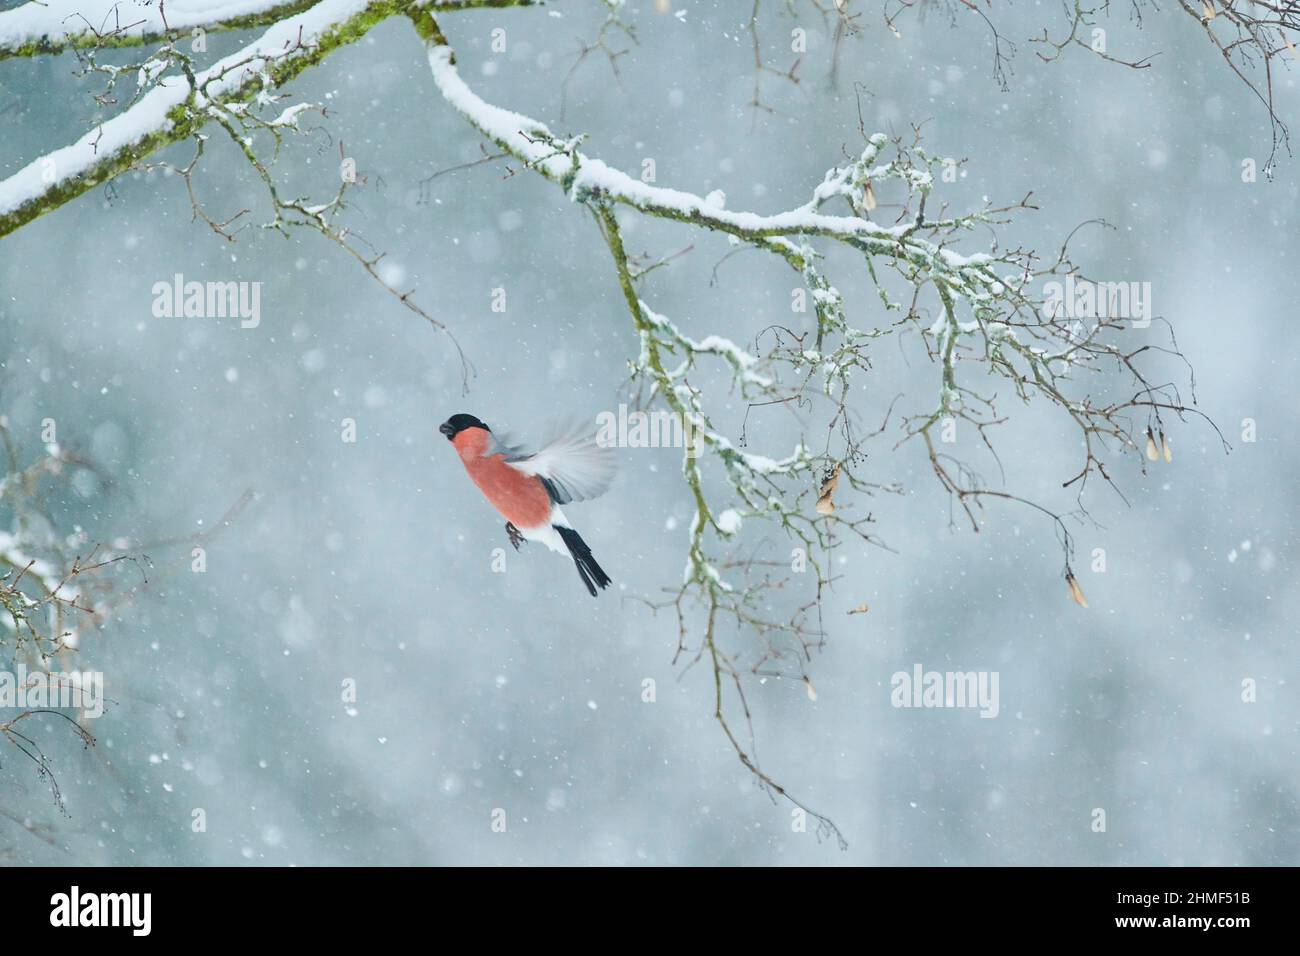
(832, 481)
(1164, 447)
(1152, 452)
(1208, 12)
(860, 609)
(825, 505)
(1076, 592)
(869, 198)
(812, 691)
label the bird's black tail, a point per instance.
(592, 574)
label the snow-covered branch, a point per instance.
(37, 28)
(586, 178)
(299, 35)
(42, 27)
(178, 106)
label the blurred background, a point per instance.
(371, 561)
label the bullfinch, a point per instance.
(529, 487)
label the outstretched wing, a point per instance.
(499, 444)
(572, 465)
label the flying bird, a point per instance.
(529, 487)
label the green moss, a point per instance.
(426, 26)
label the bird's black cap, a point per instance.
(458, 423)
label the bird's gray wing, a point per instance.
(572, 464)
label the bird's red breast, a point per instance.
(521, 499)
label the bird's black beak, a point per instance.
(447, 430)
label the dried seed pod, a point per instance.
(1076, 592)
(808, 686)
(860, 609)
(869, 198)
(1152, 452)
(1165, 449)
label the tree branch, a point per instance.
(178, 107)
(44, 27)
